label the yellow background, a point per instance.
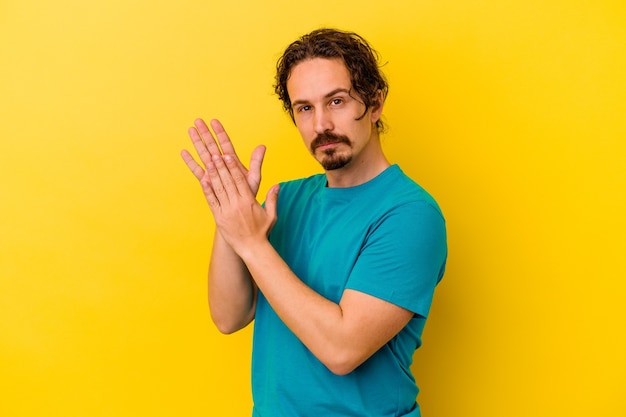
(512, 113)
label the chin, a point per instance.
(334, 163)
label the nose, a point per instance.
(323, 120)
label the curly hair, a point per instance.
(360, 59)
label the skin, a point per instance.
(322, 100)
(343, 335)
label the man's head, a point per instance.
(368, 82)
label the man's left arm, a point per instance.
(341, 335)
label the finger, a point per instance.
(271, 202)
(238, 177)
(207, 137)
(222, 137)
(225, 143)
(193, 166)
(256, 162)
(209, 194)
(221, 180)
(200, 147)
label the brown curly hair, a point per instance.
(360, 59)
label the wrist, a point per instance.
(253, 250)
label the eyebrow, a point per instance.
(328, 95)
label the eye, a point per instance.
(336, 101)
(304, 108)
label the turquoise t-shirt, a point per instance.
(386, 238)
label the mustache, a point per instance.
(328, 137)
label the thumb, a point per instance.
(256, 159)
(271, 202)
(254, 172)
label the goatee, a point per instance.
(331, 160)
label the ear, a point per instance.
(377, 107)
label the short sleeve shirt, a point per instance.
(385, 238)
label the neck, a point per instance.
(360, 170)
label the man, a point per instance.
(337, 270)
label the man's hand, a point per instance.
(241, 220)
(229, 188)
(207, 146)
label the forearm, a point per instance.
(232, 293)
(318, 322)
(341, 335)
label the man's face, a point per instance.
(327, 112)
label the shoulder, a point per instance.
(298, 191)
(314, 181)
(400, 193)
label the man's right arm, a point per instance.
(232, 292)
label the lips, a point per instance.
(327, 145)
(327, 140)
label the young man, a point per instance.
(337, 270)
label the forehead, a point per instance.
(314, 78)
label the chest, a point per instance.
(321, 242)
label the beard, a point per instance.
(331, 159)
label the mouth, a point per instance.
(327, 145)
(328, 141)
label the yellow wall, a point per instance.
(512, 113)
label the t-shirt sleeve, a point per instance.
(403, 257)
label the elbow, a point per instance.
(341, 369)
(228, 325)
(343, 363)
(225, 328)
